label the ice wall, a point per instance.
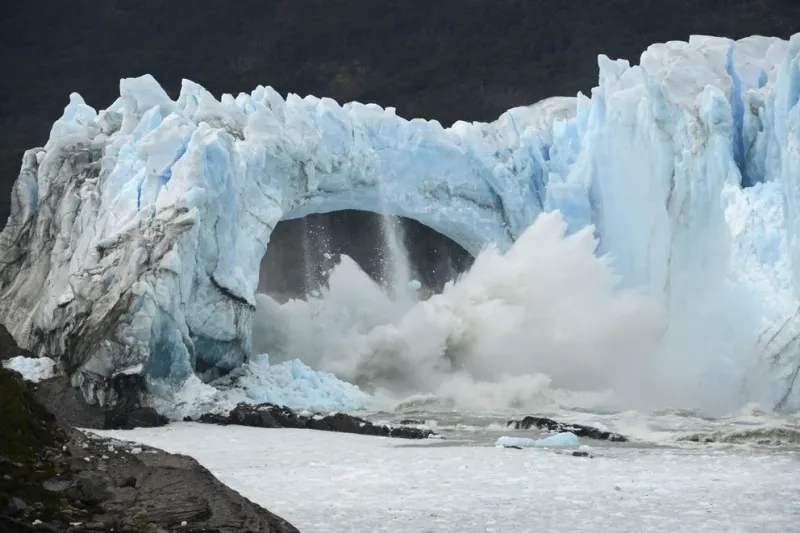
(136, 233)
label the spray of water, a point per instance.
(545, 315)
(309, 273)
(396, 268)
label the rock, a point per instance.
(90, 489)
(138, 417)
(244, 415)
(57, 485)
(13, 525)
(173, 489)
(128, 481)
(46, 465)
(410, 433)
(103, 522)
(67, 404)
(122, 496)
(282, 415)
(9, 347)
(411, 422)
(126, 412)
(16, 507)
(30, 443)
(579, 430)
(127, 390)
(213, 418)
(269, 415)
(343, 423)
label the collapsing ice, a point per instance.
(547, 311)
(136, 233)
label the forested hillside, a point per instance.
(443, 59)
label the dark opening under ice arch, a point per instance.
(302, 253)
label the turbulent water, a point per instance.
(747, 429)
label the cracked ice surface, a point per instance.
(137, 231)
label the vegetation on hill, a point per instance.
(31, 438)
(445, 60)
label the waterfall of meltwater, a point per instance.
(396, 269)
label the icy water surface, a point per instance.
(747, 429)
(333, 482)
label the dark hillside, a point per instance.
(445, 59)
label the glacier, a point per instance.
(136, 232)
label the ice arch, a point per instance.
(136, 233)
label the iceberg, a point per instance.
(136, 232)
(559, 440)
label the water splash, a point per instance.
(547, 313)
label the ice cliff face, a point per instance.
(137, 232)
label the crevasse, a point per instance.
(136, 232)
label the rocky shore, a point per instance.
(57, 479)
(580, 431)
(269, 415)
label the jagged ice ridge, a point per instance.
(136, 232)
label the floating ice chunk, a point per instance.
(560, 440)
(33, 369)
